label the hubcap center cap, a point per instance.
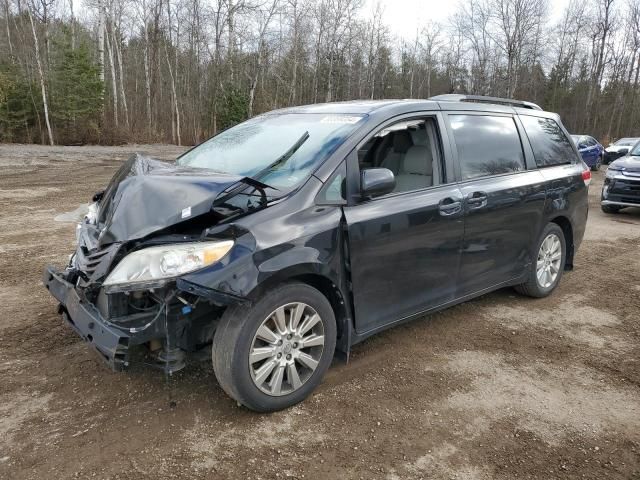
(287, 348)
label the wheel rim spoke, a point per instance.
(276, 380)
(264, 371)
(266, 334)
(307, 361)
(292, 376)
(280, 320)
(296, 315)
(312, 341)
(261, 353)
(308, 324)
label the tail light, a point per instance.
(586, 175)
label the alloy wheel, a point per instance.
(549, 258)
(286, 349)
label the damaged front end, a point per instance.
(154, 224)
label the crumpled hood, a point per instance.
(148, 195)
(627, 164)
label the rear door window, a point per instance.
(549, 143)
(487, 145)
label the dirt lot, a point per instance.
(501, 387)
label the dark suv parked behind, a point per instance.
(303, 231)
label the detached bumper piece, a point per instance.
(111, 343)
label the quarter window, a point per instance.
(549, 143)
(333, 191)
(487, 145)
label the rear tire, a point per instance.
(549, 257)
(269, 375)
(610, 208)
(597, 165)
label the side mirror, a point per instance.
(623, 151)
(375, 182)
(581, 146)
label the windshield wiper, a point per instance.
(255, 181)
(282, 158)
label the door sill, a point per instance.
(360, 336)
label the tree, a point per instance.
(180, 70)
(16, 108)
(43, 87)
(76, 103)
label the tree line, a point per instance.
(112, 71)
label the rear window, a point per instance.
(549, 143)
(487, 145)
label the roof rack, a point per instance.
(482, 99)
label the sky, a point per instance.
(405, 16)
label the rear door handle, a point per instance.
(449, 206)
(477, 200)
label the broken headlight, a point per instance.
(92, 214)
(167, 261)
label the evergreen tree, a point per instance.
(77, 94)
(234, 108)
(17, 111)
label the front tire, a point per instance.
(597, 165)
(549, 261)
(273, 354)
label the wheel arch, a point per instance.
(567, 229)
(310, 275)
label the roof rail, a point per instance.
(482, 99)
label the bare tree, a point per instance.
(101, 30)
(7, 18)
(43, 88)
(516, 21)
(600, 33)
(176, 117)
(261, 40)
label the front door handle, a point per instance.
(449, 206)
(477, 200)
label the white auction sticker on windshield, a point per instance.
(186, 212)
(340, 119)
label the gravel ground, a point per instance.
(501, 387)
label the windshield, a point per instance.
(635, 151)
(626, 142)
(279, 150)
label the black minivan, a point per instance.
(296, 234)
